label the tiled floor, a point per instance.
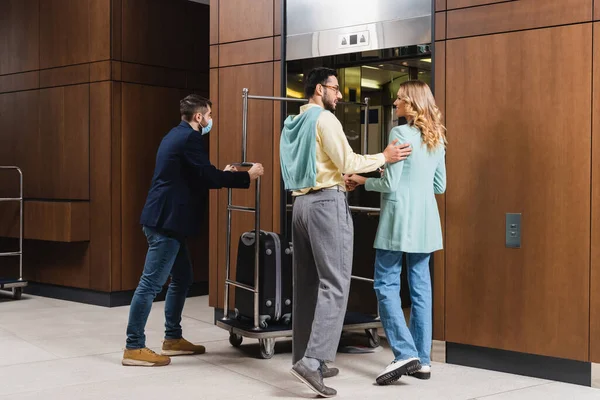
(52, 349)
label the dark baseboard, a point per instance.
(104, 299)
(543, 367)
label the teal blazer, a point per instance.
(409, 220)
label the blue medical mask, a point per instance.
(207, 128)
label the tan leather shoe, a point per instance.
(180, 347)
(144, 358)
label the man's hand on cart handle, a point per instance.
(255, 171)
(230, 168)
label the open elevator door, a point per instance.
(374, 46)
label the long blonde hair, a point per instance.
(422, 112)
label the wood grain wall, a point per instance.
(245, 52)
(87, 90)
(518, 81)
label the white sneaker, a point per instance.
(423, 373)
(396, 369)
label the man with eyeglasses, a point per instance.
(315, 155)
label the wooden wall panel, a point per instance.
(596, 10)
(277, 22)
(52, 221)
(516, 15)
(73, 74)
(181, 42)
(72, 147)
(508, 155)
(197, 82)
(251, 51)
(277, 48)
(100, 29)
(453, 4)
(100, 71)
(159, 108)
(100, 186)
(440, 5)
(116, 29)
(154, 76)
(214, 56)
(17, 138)
(595, 239)
(115, 186)
(9, 218)
(440, 25)
(214, 22)
(58, 154)
(258, 78)
(19, 82)
(65, 76)
(214, 289)
(55, 263)
(19, 30)
(144, 44)
(439, 258)
(74, 32)
(243, 20)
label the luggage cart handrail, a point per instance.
(246, 96)
(20, 201)
(256, 210)
(10, 254)
(241, 208)
(241, 285)
(228, 281)
(295, 100)
(352, 208)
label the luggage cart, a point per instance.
(15, 285)
(238, 329)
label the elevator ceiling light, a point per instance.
(294, 93)
(427, 60)
(369, 83)
(370, 67)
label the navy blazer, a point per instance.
(183, 174)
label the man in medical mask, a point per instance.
(174, 208)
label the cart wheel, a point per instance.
(373, 337)
(17, 293)
(267, 348)
(235, 340)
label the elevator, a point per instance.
(374, 48)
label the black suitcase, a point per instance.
(275, 279)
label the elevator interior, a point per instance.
(375, 75)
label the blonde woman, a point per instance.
(409, 223)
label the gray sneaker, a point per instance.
(329, 372)
(312, 379)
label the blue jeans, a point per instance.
(167, 256)
(416, 341)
